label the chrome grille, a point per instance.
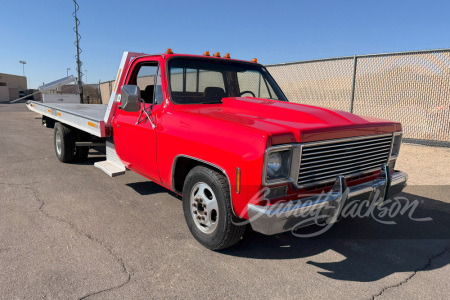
(323, 161)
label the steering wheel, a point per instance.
(245, 92)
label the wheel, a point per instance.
(81, 153)
(207, 209)
(64, 143)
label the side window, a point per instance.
(146, 80)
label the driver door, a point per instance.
(135, 132)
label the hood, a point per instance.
(286, 122)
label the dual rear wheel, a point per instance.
(64, 139)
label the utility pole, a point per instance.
(86, 76)
(23, 67)
(77, 44)
(68, 72)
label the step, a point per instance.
(110, 168)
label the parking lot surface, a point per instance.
(68, 231)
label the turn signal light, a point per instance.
(169, 51)
(227, 55)
(255, 60)
(217, 54)
(206, 53)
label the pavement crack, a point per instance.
(90, 237)
(428, 264)
(23, 160)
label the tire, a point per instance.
(81, 153)
(207, 209)
(64, 142)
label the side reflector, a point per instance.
(217, 54)
(58, 114)
(169, 51)
(206, 53)
(238, 180)
(91, 124)
(49, 110)
(254, 60)
(227, 55)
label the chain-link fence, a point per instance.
(410, 87)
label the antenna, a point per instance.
(77, 44)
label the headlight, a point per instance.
(396, 144)
(278, 165)
(274, 164)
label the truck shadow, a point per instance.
(364, 249)
(95, 154)
(145, 188)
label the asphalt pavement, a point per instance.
(68, 231)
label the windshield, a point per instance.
(203, 81)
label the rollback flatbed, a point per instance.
(221, 133)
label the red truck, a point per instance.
(221, 133)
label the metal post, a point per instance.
(23, 70)
(352, 95)
(77, 44)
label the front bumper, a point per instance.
(283, 217)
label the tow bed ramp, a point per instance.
(88, 118)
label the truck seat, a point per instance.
(147, 95)
(213, 94)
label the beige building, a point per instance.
(10, 86)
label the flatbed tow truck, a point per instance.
(221, 133)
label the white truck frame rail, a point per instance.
(88, 119)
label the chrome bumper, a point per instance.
(283, 217)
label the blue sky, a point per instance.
(41, 32)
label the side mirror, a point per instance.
(130, 95)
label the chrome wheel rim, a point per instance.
(204, 208)
(58, 143)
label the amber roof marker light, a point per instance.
(169, 51)
(206, 53)
(255, 60)
(217, 54)
(227, 55)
